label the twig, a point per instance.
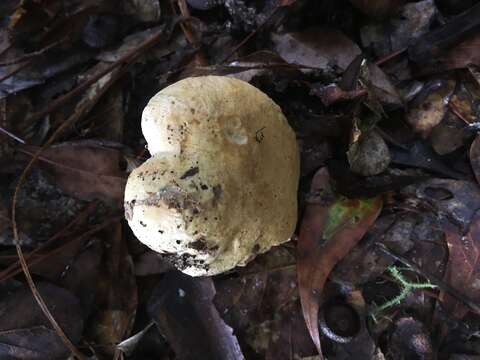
(13, 136)
(32, 54)
(458, 113)
(431, 278)
(186, 28)
(14, 71)
(189, 35)
(389, 57)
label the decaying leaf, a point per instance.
(430, 106)
(382, 88)
(25, 333)
(366, 261)
(433, 44)
(330, 228)
(316, 47)
(84, 169)
(450, 135)
(475, 157)
(145, 11)
(413, 20)
(289, 335)
(458, 200)
(420, 155)
(462, 55)
(463, 269)
(42, 209)
(410, 340)
(464, 100)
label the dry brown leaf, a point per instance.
(475, 157)
(463, 267)
(24, 331)
(331, 227)
(316, 47)
(84, 169)
(464, 54)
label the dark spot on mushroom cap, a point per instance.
(200, 244)
(213, 249)
(217, 192)
(190, 172)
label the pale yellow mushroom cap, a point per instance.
(221, 185)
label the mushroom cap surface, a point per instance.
(221, 185)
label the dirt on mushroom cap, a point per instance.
(221, 185)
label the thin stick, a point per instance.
(431, 278)
(32, 54)
(189, 34)
(186, 28)
(63, 232)
(14, 71)
(389, 57)
(13, 136)
(41, 257)
(458, 113)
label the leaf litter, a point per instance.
(383, 97)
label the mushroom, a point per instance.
(221, 185)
